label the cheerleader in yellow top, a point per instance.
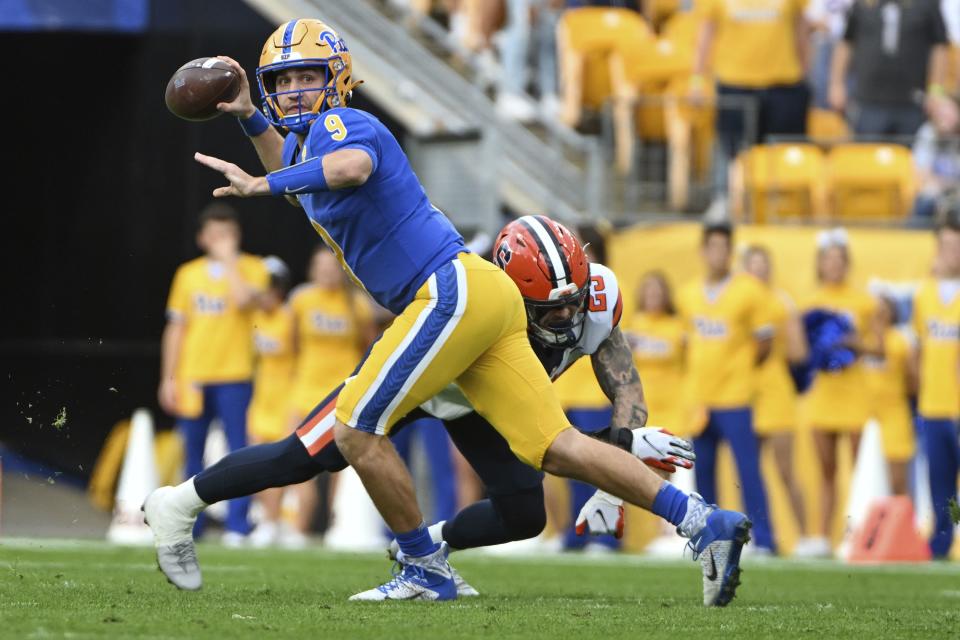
(837, 401)
(268, 418)
(333, 326)
(892, 379)
(775, 398)
(656, 337)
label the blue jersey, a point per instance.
(386, 234)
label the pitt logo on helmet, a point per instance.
(305, 43)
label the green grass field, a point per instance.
(85, 590)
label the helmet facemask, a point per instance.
(558, 335)
(329, 96)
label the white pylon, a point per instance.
(356, 526)
(137, 479)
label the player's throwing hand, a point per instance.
(242, 105)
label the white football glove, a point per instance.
(602, 514)
(661, 449)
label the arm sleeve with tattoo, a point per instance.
(618, 377)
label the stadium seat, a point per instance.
(870, 181)
(586, 38)
(650, 82)
(827, 127)
(782, 181)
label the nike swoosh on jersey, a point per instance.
(297, 190)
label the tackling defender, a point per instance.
(458, 318)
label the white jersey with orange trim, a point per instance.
(604, 309)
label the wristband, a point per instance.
(254, 125)
(303, 177)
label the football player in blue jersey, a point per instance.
(459, 319)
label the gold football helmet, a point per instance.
(305, 43)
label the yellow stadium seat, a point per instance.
(783, 180)
(586, 39)
(827, 127)
(870, 181)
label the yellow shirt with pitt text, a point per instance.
(936, 321)
(754, 43)
(218, 343)
(723, 322)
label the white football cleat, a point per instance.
(464, 590)
(173, 537)
(718, 544)
(419, 578)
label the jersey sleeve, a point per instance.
(605, 306)
(178, 302)
(339, 129)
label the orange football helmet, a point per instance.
(305, 43)
(549, 266)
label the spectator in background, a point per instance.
(333, 326)
(829, 20)
(207, 347)
(528, 20)
(268, 418)
(758, 53)
(729, 330)
(936, 154)
(896, 51)
(936, 321)
(775, 402)
(837, 404)
(892, 379)
(657, 338)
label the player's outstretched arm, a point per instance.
(266, 140)
(620, 381)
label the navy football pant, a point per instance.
(228, 402)
(513, 509)
(736, 427)
(943, 458)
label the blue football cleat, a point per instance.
(718, 545)
(426, 578)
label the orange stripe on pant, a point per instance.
(318, 431)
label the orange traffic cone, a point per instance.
(889, 534)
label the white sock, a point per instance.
(436, 531)
(696, 517)
(184, 497)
